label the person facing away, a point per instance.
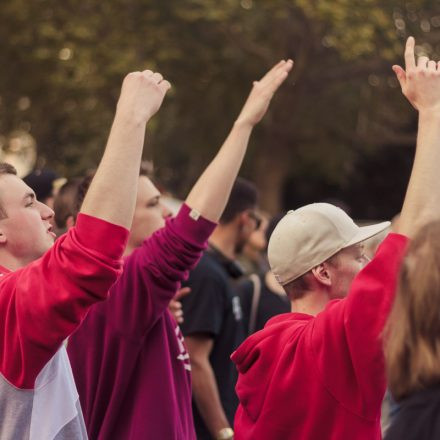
(213, 319)
(412, 337)
(261, 295)
(46, 288)
(128, 357)
(318, 373)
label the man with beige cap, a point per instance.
(318, 372)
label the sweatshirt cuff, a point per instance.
(104, 237)
(192, 226)
(398, 240)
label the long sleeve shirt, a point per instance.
(40, 306)
(128, 357)
(305, 377)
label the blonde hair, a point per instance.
(412, 333)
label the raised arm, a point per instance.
(359, 319)
(421, 85)
(141, 96)
(210, 193)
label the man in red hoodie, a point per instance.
(46, 288)
(318, 373)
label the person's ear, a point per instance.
(322, 274)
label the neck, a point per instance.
(12, 263)
(224, 239)
(311, 303)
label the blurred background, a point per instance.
(339, 129)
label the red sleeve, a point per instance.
(346, 336)
(43, 303)
(153, 273)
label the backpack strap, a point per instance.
(256, 282)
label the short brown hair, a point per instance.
(412, 333)
(5, 168)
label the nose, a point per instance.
(46, 212)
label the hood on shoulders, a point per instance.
(257, 359)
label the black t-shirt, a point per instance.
(270, 304)
(418, 417)
(213, 308)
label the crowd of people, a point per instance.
(122, 320)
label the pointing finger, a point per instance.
(410, 61)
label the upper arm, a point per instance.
(199, 347)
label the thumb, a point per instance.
(400, 74)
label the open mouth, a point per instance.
(50, 232)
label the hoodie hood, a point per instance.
(257, 359)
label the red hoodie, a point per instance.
(321, 378)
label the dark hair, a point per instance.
(81, 192)
(243, 196)
(84, 185)
(41, 181)
(5, 168)
(272, 225)
(65, 202)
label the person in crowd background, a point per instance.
(319, 372)
(64, 206)
(46, 289)
(262, 296)
(128, 357)
(44, 183)
(252, 258)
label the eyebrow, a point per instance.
(29, 195)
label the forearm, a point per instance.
(112, 193)
(422, 201)
(207, 397)
(211, 192)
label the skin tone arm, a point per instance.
(204, 384)
(421, 85)
(211, 192)
(209, 196)
(141, 97)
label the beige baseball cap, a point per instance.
(310, 235)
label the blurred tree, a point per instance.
(63, 64)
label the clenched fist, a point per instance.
(142, 95)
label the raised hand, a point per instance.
(259, 99)
(420, 81)
(142, 95)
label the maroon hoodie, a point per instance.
(128, 358)
(321, 378)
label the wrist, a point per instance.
(129, 119)
(225, 434)
(243, 124)
(429, 113)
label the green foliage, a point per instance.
(63, 63)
